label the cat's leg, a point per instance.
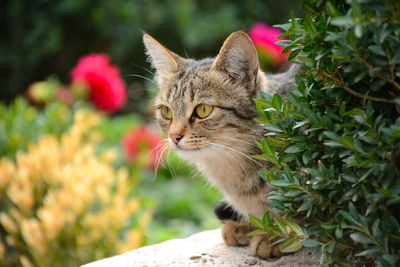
(264, 248)
(235, 233)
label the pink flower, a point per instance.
(264, 38)
(107, 89)
(142, 145)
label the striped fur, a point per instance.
(221, 144)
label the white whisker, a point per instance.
(240, 153)
(236, 140)
(171, 168)
(257, 133)
(225, 157)
(143, 77)
(143, 68)
(163, 153)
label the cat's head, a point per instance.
(206, 104)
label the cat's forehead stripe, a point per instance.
(183, 86)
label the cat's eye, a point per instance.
(166, 112)
(203, 110)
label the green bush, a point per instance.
(335, 142)
(21, 124)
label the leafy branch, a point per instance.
(288, 234)
(340, 83)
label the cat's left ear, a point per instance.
(162, 59)
(237, 57)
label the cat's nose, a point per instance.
(175, 138)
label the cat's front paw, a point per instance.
(235, 233)
(264, 248)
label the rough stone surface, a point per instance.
(202, 249)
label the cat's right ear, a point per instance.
(163, 60)
(237, 57)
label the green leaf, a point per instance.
(356, 9)
(293, 54)
(295, 227)
(377, 50)
(305, 206)
(331, 135)
(280, 183)
(262, 102)
(273, 128)
(330, 248)
(333, 36)
(285, 27)
(369, 252)
(260, 157)
(342, 21)
(376, 231)
(362, 238)
(288, 48)
(293, 193)
(266, 218)
(293, 149)
(347, 141)
(305, 59)
(306, 157)
(332, 11)
(309, 26)
(268, 158)
(350, 178)
(284, 43)
(266, 96)
(310, 243)
(280, 225)
(290, 245)
(300, 124)
(256, 222)
(355, 112)
(333, 144)
(339, 233)
(348, 217)
(385, 192)
(358, 31)
(328, 226)
(277, 102)
(256, 232)
(390, 259)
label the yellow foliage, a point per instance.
(61, 194)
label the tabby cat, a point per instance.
(206, 109)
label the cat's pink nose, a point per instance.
(175, 137)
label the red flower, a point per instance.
(107, 89)
(142, 144)
(264, 38)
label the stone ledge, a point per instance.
(201, 249)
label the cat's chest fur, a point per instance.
(237, 177)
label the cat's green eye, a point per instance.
(166, 112)
(203, 110)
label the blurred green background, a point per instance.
(42, 38)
